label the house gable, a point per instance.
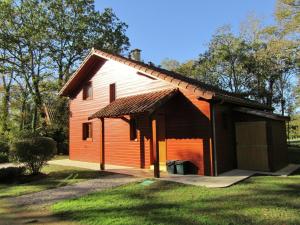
(197, 88)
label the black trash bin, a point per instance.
(171, 168)
(182, 166)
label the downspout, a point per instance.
(213, 121)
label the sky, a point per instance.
(181, 29)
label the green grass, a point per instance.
(258, 200)
(294, 142)
(54, 176)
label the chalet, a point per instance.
(125, 112)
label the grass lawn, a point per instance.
(54, 176)
(258, 200)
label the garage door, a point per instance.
(251, 146)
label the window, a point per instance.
(133, 130)
(87, 131)
(87, 93)
(112, 92)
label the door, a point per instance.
(161, 136)
(251, 146)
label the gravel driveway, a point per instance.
(72, 191)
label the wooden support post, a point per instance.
(155, 148)
(102, 150)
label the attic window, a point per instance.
(112, 92)
(87, 93)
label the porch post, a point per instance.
(102, 158)
(155, 148)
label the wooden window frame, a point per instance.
(87, 131)
(85, 91)
(112, 92)
(133, 129)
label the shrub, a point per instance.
(11, 173)
(34, 152)
(4, 150)
(3, 157)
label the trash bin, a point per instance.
(171, 168)
(182, 166)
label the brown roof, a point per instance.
(136, 104)
(260, 113)
(199, 88)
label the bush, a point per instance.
(4, 150)
(4, 147)
(3, 157)
(11, 173)
(34, 152)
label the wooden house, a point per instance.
(125, 112)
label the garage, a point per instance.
(260, 140)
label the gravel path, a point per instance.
(71, 191)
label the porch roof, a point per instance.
(136, 104)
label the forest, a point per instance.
(43, 42)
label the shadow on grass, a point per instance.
(259, 200)
(28, 184)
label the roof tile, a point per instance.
(143, 103)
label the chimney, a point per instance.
(135, 54)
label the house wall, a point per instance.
(225, 138)
(188, 133)
(278, 151)
(118, 147)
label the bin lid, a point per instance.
(181, 161)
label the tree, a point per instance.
(288, 16)
(170, 64)
(7, 76)
(74, 28)
(43, 42)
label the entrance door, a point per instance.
(161, 133)
(251, 145)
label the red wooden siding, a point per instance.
(118, 147)
(188, 131)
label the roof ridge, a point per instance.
(199, 88)
(183, 78)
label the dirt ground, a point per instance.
(10, 215)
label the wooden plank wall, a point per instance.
(119, 149)
(188, 131)
(252, 146)
(278, 144)
(225, 138)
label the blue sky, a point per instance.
(181, 29)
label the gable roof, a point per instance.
(198, 88)
(136, 104)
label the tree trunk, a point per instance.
(5, 104)
(5, 109)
